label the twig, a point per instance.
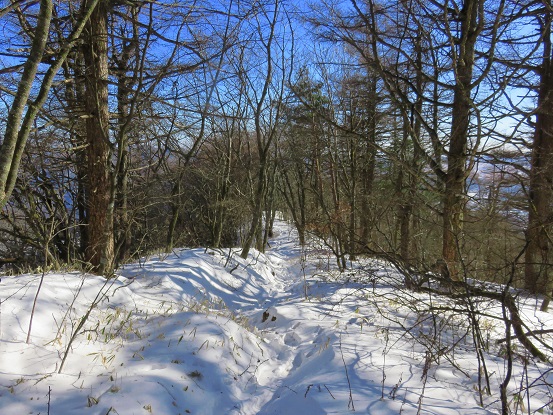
(384, 352)
(532, 333)
(326, 387)
(424, 378)
(49, 397)
(34, 306)
(350, 403)
(99, 297)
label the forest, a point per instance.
(417, 132)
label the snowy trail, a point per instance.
(198, 332)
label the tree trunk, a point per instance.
(538, 278)
(17, 131)
(259, 197)
(455, 192)
(11, 148)
(119, 193)
(123, 223)
(265, 130)
(100, 249)
(176, 193)
(269, 209)
(369, 164)
(293, 189)
(75, 97)
(412, 128)
(223, 194)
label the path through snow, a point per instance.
(202, 332)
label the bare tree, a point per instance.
(265, 90)
(429, 58)
(538, 265)
(19, 121)
(100, 252)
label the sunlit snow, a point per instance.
(205, 332)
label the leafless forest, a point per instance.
(416, 131)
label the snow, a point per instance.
(204, 331)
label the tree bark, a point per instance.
(100, 250)
(538, 275)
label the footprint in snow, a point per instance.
(298, 360)
(292, 339)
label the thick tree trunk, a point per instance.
(100, 250)
(538, 267)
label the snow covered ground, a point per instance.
(205, 332)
